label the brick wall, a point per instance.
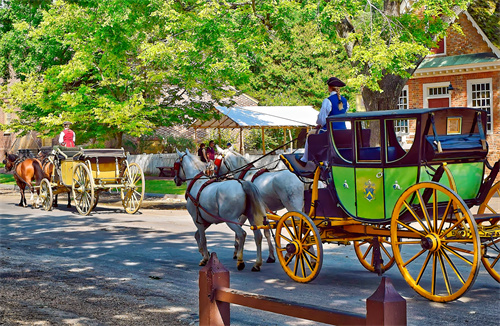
(467, 43)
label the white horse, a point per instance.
(217, 202)
(279, 189)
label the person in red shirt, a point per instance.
(67, 136)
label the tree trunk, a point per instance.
(391, 86)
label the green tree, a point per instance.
(487, 14)
(128, 66)
(380, 42)
(115, 67)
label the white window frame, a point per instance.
(432, 55)
(403, 107)
(470, 82)
(426, 96)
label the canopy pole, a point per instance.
(218, 131)
(284, 139)
(263, 141)
(291, 137)
(241, 141)
(196, 136)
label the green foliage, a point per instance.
(181, 143)
(487, 14)
(119, 67)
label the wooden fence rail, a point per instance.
(384, 307)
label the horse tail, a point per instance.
(255, 207)
(38, 171)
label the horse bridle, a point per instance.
(178, 166)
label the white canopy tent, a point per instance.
(251, 117)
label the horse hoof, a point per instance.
(69, 206)
(54, 205)
(270, 260)
(202, 263)
(256, 269)
(234, 257)
(241, 266)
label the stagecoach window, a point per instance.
(368, 141)
(342, 138)
(398, 142)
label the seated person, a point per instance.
(333, 105)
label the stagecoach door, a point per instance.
(369, 172)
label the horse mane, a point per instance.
(12, 157)
(197, 162)
(241, 159)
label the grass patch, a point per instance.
(7, 179)
(152, 186)
(164, 187)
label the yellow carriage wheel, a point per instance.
(299, 247)
(134, 186)
(365, 254)
(46, 194)
(491, 247)
(435, 241)
(83, 189)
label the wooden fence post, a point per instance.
(211, 276)
(385, 306)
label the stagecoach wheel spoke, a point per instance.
(365, 253)
(299, 247)
(491, 257)
(132, 193)
(491, 246)
(439, 247)
(83, 189)
(46, 194)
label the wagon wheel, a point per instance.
(96, 199)
(133, 191)
(491, 247)
(46, 194)
(365, 253)
(439, 252)
(83, 189)
(299, 246)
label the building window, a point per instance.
(437, 91)
(440, 49)
(436, 95)
(401, 126)
(479, 96)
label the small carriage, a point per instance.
(400, 186)
(85, 173)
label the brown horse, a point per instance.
(25, 170)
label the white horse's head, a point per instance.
(233, 160)
(186, 166)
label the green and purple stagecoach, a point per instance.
(401, 186)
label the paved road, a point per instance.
(111, 268)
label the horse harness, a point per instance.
(255, 176)
(196, 200)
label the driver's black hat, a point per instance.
(334, 81)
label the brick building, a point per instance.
(463, 72)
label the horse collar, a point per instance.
(258, 174)
(245, 171)
(191, 184)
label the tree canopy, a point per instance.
(129, 66)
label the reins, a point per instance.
(251, 164)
